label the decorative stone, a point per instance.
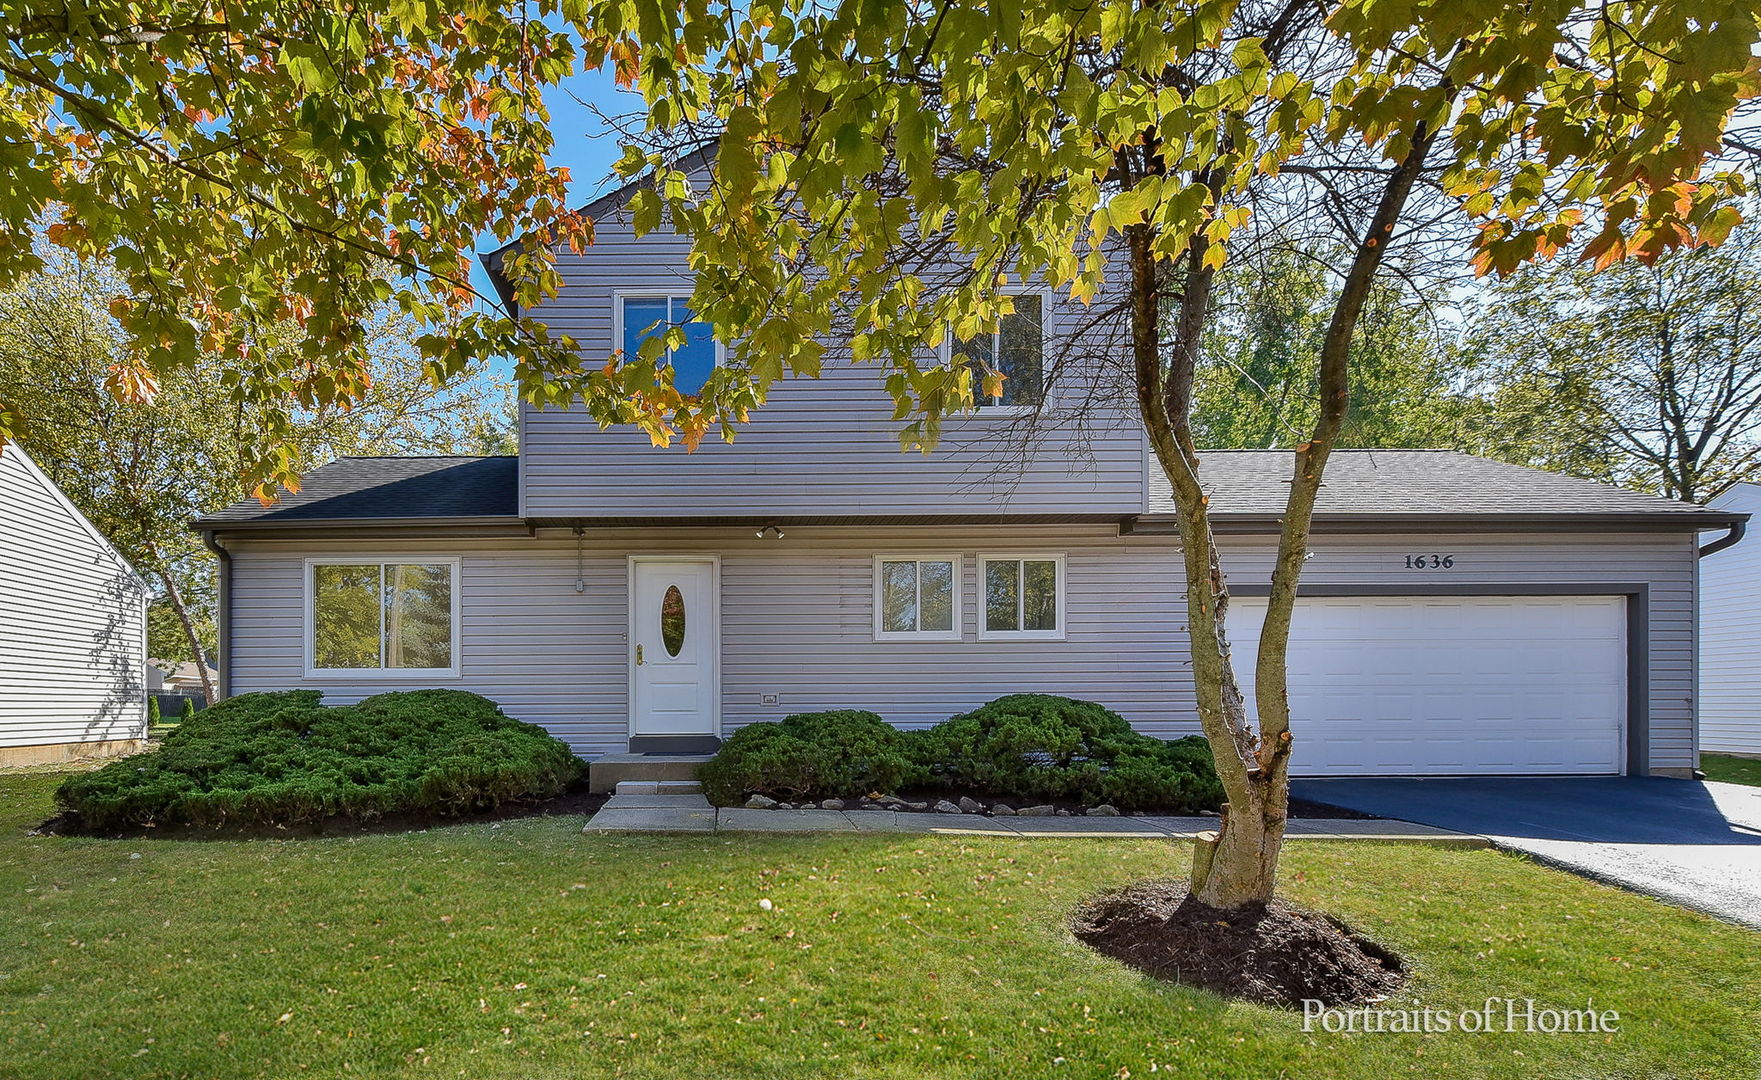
(1002, 810)
(1103, 810)
(918, 806)
(970, 805)
(1036, 811)
(943, 806)
(890, 800)
(832, 804)
(1065, 813)
(760, 802)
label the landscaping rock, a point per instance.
(761, 802)
(943, 806)
(1037, 811)
(917, 806)
(890, 801)
(1103, 810)
(1065, 813)
(832, 804)
(1002, 810)
(970, 805)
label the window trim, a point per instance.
(985, 633)
(619, 295)
(945, 353)
(957, 632)
(309, 631)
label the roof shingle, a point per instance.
(390, 487)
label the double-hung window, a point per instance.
(642, 317)
(1015, 350)
(1021, 597)
(917, 598)
(383, 617)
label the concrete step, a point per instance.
(657, 787)
(656, 802)
(605, 773)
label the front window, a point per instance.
(1015, 351)
(916, 598)
(1023, 596)
(644, 317)
(383, 616)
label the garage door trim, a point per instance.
(1638, 633)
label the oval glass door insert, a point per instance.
(672, 620)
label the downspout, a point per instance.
(222, 615)
(1735, 535)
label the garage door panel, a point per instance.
(1440, 685)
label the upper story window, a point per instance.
(388, 618)
(1015, 350)
(641, 317)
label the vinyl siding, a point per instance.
(797, 619)
(1730, 635)
(72, 637)
(824, 446)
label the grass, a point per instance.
(1730, 769)
(527, 950)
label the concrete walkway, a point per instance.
(693, 814)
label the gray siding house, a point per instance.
(1730, 637)
(73, 628)
(1458, 615)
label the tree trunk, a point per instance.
(175, 597)
(1238, 864)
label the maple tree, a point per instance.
(885, 170)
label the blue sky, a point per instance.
(583, 143)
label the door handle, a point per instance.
(638, 654)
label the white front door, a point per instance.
(675, 645)
(1435, 685)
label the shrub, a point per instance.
(189, 708)
(152, 710)
(1038, 746)
(841, 753)
(284, 759)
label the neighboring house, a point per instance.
(181, 677)
(1459, 615)
(1730, 637)
(73, 628)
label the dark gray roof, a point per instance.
(390, 488)
(1381, 483)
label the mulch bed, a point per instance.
(1277, 954)
(577, 801)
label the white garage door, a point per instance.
(1449, 685)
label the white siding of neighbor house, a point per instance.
(72, 621)
(797, 619)
(1730, 635)
(824, 446)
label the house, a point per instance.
(1730, 638)
(1458, 615)
(73, 628)
(179, 676)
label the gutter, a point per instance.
(1154, 524)
(1729, 539)
(222, 615)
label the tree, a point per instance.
(140, 473)
(1255, 385)
(886, 169)
(1643, 375)
(251, 169)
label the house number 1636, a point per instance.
(1430, 562)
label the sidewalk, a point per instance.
(687, 814)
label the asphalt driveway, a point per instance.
(1690, 842)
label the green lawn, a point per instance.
(529, 951)
(1731, 769)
